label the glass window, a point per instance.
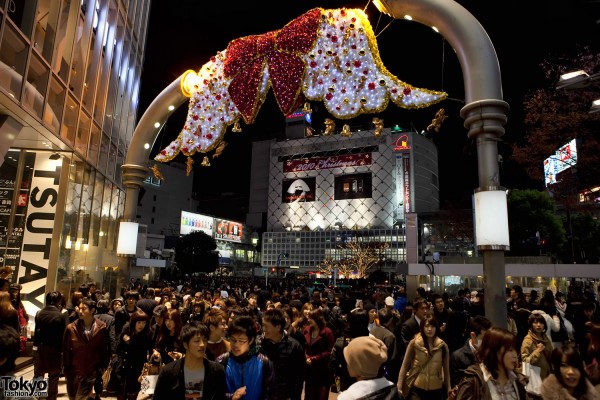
(13, 55)
(112, 219)
(80, 49)
(56, 101)
(94, 144)
(83, 133)
(119, 163)
(103, 156)
(93, 64)
(87, 193)
(69, 124)
(111, 114)
(105, 62)
(105, 212)
(112, 158)
(22, 13)
(37, 82)
(45, 27)
(94, 234)
(64, 38)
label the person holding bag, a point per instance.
(536, 350)
(132, 350)
(425, 372)
(494, 378)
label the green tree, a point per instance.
(529, 212)
(585, 245)
(195, 253)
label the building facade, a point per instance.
(69, 88)
(326, 191)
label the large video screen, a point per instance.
(564, 158)
(355, 186)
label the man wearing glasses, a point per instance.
(248, 374)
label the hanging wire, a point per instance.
(384, 27)
(365, 9)
(378, 19)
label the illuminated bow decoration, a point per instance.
(246, 58)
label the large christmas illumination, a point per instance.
(325, 55)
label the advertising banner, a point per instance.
(317, 163)
(299, 190)
(406, 182)
(191, 222)
(228, 230)
(354, 186)
(38, 228)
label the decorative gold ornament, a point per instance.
(236, 127)
(329, 52)
(346, 131)
(205, 162)
(378, 122)
(311, 56)
(329, 126)
(363, 100)
(437, 121)
(188, 166)
(220, 149)
(382, 82)
(361, 52)
(346, 100)
(306, 108)
(156, 172)
(331, 89)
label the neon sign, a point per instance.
(402, 143)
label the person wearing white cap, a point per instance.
(364, 356)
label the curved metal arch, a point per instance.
(484, 114)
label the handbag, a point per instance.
(148, 384)
(149, 369)
(535, 381)
(106, 376)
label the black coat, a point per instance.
(50, 326)
(460, 360)
(288, 361)
(109, 320)
(132, 356)
(171, 383)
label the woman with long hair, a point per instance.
(8, 314)
(132, 350)
(427, 364)
(568, 381)
(495, 377)
(301, 321)
(15, 298)
(168, 344)
(319, 342)
(537, 347)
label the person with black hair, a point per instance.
(384, 333)
(133, 347)
(193, 376)
(85, 351)
(248, 373)
(124, 313)
(568, 381)
(466, 356)
(286, 354)
(50, 325)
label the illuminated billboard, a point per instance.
(191, 222)
(228, 230)
(564, 158)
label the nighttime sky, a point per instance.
(184, 34)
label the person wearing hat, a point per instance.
(364, 356)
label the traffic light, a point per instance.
(272, 269)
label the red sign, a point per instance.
(22, 200)
(317, 163)
(228, 230)
(402, 143)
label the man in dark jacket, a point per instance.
(464, 357)
(384, 333)
(287, 356)
(192, 376)
(50, 326)
(124, 313)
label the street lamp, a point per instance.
(254, 241)
(579, 80)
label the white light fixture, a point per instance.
(171, 108)
(78, 245)
(68, 244)
(435, 29)
(146, 146)
(128, 234)
(157, 124)
(408, 17)
(491, 219)
(576, 80)
(595, 106)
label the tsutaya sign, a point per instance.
(37, 236)
(317, 163)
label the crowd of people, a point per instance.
(237, 339)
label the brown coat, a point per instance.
(433, 365)
(83, 355)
